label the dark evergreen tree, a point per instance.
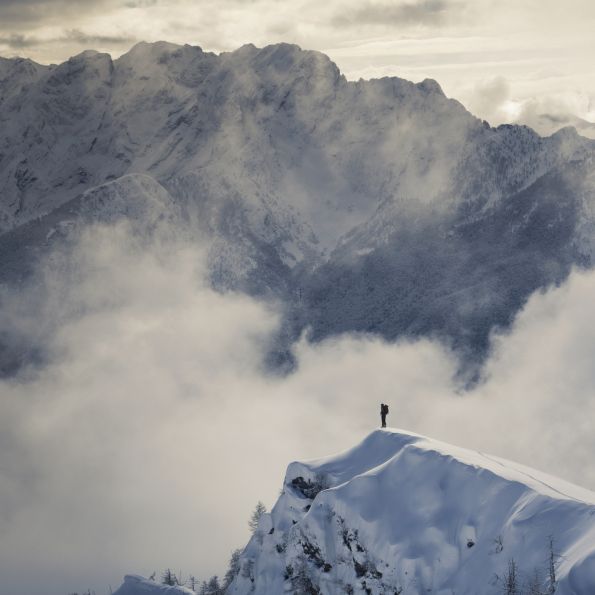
(169, 578)
(534, 585)
(511, 586)
(233, 570)
(552, 563)
(214, 587)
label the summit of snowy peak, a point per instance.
(287, 58)
(88, 65)
(570, 143)
(17, 74)
(401, 512)
(283, 48)
(566, 132)
(431, 86)
(144, 48)
(381, 446)
(89, 61)
(246, 49)
(23, 64)
(90, 55)
(283, 54)
(144, 53)
(161, 63)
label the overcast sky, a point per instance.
(507, 60)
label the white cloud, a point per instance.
(550, 113)
(493, 100)
(126, 452)
(147, 440)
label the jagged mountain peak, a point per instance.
(282, 55)
(89, 64)
(160, 52)
(23, 63)
(89, 55)
(431, 86)
(156, 47)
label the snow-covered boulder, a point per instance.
(137, 585)
(401, 513)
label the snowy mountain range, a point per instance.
(377, 206)
(401, 513)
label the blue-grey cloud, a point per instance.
(91, 40)
(71, 37)
(21, 12)
(18, 41)
(420, 12)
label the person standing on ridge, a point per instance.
(383, 413)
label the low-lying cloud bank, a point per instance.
(493, 99)
(151, 433)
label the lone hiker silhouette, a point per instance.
(383, 413)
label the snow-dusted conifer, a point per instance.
(259, 510)
(169, 578)
(233, 569)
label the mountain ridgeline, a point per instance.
(377, 206)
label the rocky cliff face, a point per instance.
(375, 206)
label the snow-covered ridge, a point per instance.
(404, 513)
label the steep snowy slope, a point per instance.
(376, 206)
(401, 513)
